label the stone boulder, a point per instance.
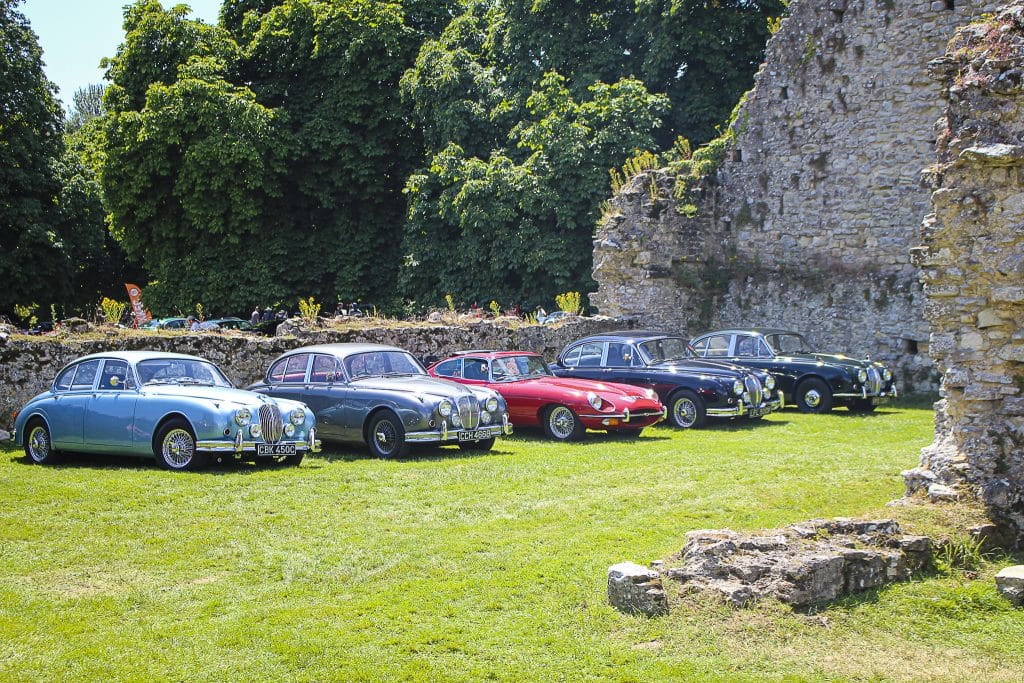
(634, 589)
(1010, 584)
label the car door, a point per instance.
(585, 360)
(110, 413)
(67, 415)
(287, 377)
(326, 394)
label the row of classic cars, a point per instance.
(183, 410)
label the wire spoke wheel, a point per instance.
(685, 412)
(38, 444)
(386, 436)
(178, 448)
(561, 424)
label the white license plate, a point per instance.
(275, 449)
(757, 412)
(474, 435)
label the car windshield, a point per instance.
(382, 364)
(790, 342)
(516, 368)
(666, 349)
(180, 371)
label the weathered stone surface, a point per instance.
(940, 493)
(27, 367)
(4, 435)
(810, 219)
(635, 589)
(800, 564)
(978, 213)
(1010, 584)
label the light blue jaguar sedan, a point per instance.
(179, 408)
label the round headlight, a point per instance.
(456, 419)
(242, 417)
(445, 408)
(491, 404)
(769, 383)
(651, 393)
(298, 416)
(594, 400)
(255, 430)
(485, 418)
(289, 430)
(862, 376)
(737, 387)
(886, 374)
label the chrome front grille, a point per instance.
(753, 386)
(874, 385)
(469, 411)
(271, 423)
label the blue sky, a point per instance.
(76, 34)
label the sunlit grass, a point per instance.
(446, 566)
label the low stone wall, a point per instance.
(28, 366)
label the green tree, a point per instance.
(33, 263)
(86, 105)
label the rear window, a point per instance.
(290, 370)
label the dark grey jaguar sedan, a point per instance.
(382, 396)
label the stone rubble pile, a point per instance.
(800, 564)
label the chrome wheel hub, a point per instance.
(39, 444)
(812, 398)
(178, 448)
(562, 422)
(685, 412)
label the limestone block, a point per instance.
(1010, 584)
(1013, 295)
(940, 493)
(4, 435)
(972, 341)
(634, 589)
(989, 318)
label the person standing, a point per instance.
(254, 319)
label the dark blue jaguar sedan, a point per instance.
(693, 389)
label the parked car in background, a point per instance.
(226, 324)
(180, 409)
(381, 396)
(165, 324)
(691, 388)
(814, 381)
(563, 407)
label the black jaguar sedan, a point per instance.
(815, 382)
(693, 389)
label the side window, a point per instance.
(325, 369)
(85, 375)
(619, 355)
(572, 359)
(450, 368)
(63, 381)
(717, 346)
(475, 369)
(276, 373)
(762, 349)
(295, 371)
(115, 376)
(701, 347)
(746, 346)
(590, 355)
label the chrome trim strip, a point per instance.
(626, 416)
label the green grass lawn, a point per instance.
(446, 566)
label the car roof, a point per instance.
(136, 356)
(490, 354)
(752, 330)
(341, 350)
(630, 335)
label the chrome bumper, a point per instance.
(741, 409)
(240, 445)
(626, 416)
(444, 435)
(864, 393)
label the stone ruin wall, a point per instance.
(810, 220)
(972, 261)
(28, 366)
